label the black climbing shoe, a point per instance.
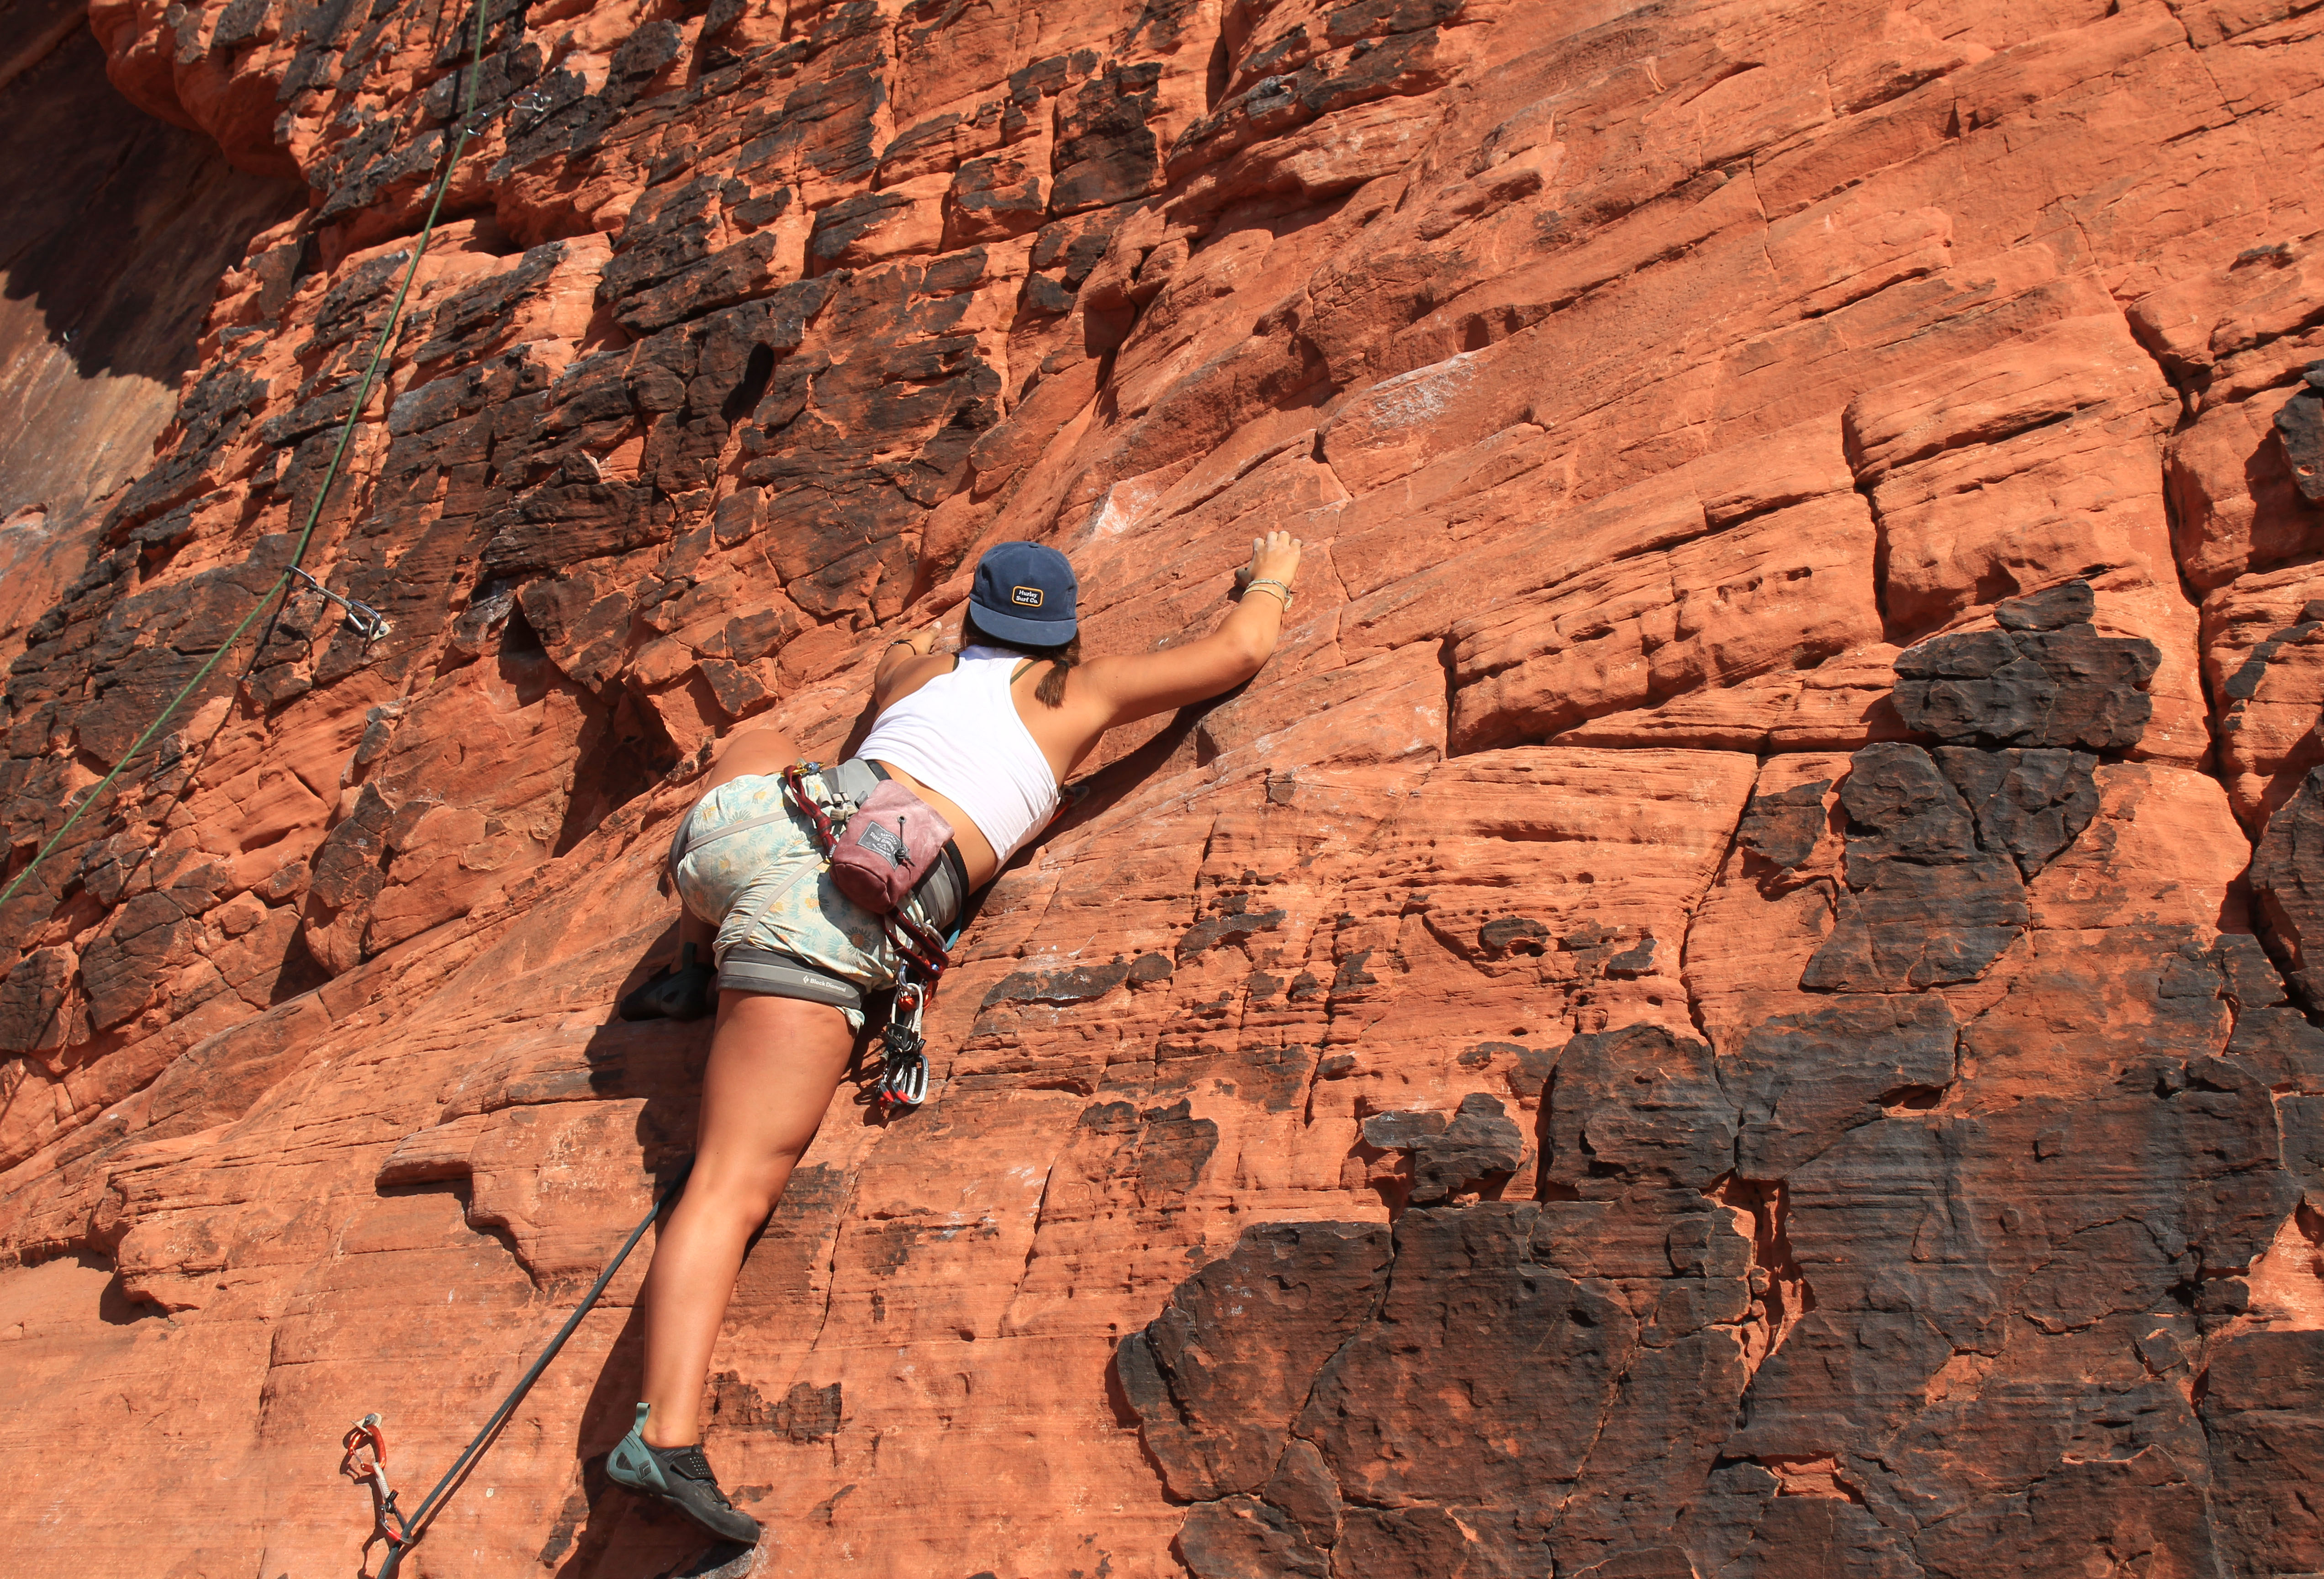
(689, 992)
(681, 1477)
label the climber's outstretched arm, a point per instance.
(1130, 689)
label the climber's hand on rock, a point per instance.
(1273, 557)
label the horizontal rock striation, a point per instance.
(1736, 1000)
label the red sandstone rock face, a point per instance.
(111, 257)
(1734, 1001)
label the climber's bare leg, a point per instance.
(774, 1063)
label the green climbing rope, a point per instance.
(322, 495)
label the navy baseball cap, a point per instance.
(1025, 592)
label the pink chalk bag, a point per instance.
(894, 840)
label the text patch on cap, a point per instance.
(1025, 596)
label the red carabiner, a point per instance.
(364, 1433)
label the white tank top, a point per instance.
(960, 735)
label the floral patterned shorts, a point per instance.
(764, 883)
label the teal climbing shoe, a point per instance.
(681, 1477)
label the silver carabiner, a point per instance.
(904, 1081)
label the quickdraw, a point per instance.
(363, 619)
(363, 1460)
(363, 1449)
(903, 1080)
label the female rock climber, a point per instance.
(985, 739)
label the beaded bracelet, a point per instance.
(1278, 586)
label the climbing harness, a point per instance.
(278, 595)
(903, 1080)
(364, 1458)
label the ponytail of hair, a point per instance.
(1051, 692)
